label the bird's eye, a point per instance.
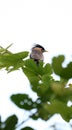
(42, 50)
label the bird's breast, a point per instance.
(37, 55)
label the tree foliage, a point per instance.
(53, 95)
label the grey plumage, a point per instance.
(36, 54)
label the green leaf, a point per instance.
(9, 124)
(27, 128)
(32, 76)
(43, 112)
(35, 116)
(62, 92)
(23, 101)
(60, 108)
(12, 60)
(36, 73)
(33, 67)
(57, 64)
(66, 72)
(32, 72)
(47, 79)
(48, 69)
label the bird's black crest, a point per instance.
(37, 45)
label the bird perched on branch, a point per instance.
(37, 53)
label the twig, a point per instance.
(9, 46)
(22, 122)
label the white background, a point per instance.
(25, 22)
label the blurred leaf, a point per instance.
(66, 72)
(12, 60)
(48, 69)
(46, 78)
(32, 72)
(37, 73)
(4, 51)
(57, 64)
(27, 128)
(60, 108)
(32, 77)
(33, 68)
(9, 124)
(23, 101)
(35, 116)
(44, 114)
(61, 89)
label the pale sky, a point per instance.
(25, 22)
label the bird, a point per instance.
(37, 53)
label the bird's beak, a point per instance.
(45, 51)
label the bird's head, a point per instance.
(39, 48)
